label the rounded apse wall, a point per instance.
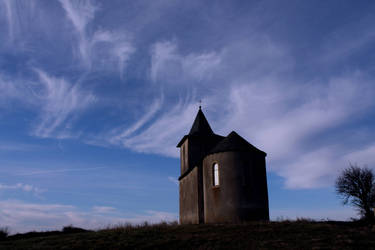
(240, 193)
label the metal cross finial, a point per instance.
(200, 104)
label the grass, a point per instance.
(299, 234)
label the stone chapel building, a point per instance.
(223, 179)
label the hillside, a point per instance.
(301, 234)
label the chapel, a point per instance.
(223, 179)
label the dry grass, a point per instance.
(303, 233)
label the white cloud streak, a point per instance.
(60, 102)
(342, 214)
(286, 131)
(246, 85)
(99, 49)
(103, 209)
(281, 117)
(24, 217)
(22, 187)
(80, 13)
(363, 156)
(7, 4)
(161, 137)
(118, 135)
(168, 66)
(17, 13)
(57, 101)
(56, 171)
(314, 108)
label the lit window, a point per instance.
(216, 174)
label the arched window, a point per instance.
(216, 174)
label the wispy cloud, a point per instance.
(57, 101)
(251, 82)
(23, 217)
(22, 187)
(111, 48)
(305, 110)
(287, 125)
(176, 71)
(56, 171)
(168, 66)
(60, 102)
(193, 73)
(103, 209)
(80, 13)
(362, 156)
(315, 214)
(161, 137)
(17, 13)
(283, 123)
(98, 49)
(319, 167)
(118, 135)
(7, 4)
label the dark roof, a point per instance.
(200, 127)
(234, 142)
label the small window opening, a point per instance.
(216, 174)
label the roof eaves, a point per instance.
(182, 141)
(236, 150)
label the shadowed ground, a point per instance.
(302, 234)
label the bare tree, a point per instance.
(356, 186)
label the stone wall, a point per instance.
(189, 209)
(242, 194)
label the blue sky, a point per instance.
(95, 95)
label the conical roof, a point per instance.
(234, 142)
(200, 125)
(201, 128)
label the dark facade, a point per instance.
(223, 179)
